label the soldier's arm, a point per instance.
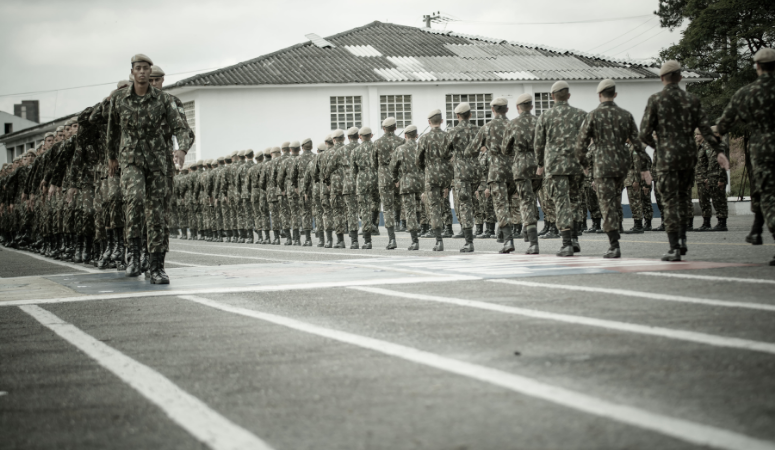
(704, 127)
(113, 139)
(175, 118)
(731, 114)
(637, 144)
(539, 142)
(649, 123)
(421, 155)
(395, 164)
(585, 137)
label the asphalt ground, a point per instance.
(255, 346)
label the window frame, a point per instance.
(481, 112)
(342, 106)
(540, 99)
(398, 106)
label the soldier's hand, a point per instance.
(586, 172)
(70, 194)
(180, 157)
(477, 195)
(446, 193)
(397, 184)
(723, 161)
(540, 171)
(483, 149)
(112, 167)
(646, 177)
(487, 193)
(645, 190)
(635, 185)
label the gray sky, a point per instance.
(54, 45)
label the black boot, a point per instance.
(297, 237)
(80, 244)
(366, 241)
(240, 236)
(391, 239)
(448, 233)
(755, 236)
(690, 224)
(97, 256)
(402, 226)
(321, 242)
(276, 240)
(682, 241)
(249, 236)
(545, 229)
(468, 247)
(415, 245)
(516, 231)
(721, 225)
(375, 223)
(592, 228)
(499, 239)
(621, 227)
(104, 260)
(354, 240)
(200, 235)
(329, 239)
(705, 225)
(661, 226)
(158, 275)
(184, 234)
(574, 238)
(674, 254)
(637, 228)
(288, 237)
(479, 231)
(340, 241)
(439, 247)
(133, 258)
(489, 231)
(532, 236)
(308, 238)
(508, 240)
(145, 263)
(582, 227)
(89, 249)
(118, 254)
(613, 249)
(567, 244)
(646, 224)
(426, 232)
(552, 233)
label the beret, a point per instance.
(60, 128)
(156, 72)
(411, 128)
(352, 131)
(69, 122)
(559, 85)
(50, 133)
(669, 67)
(605, 84)
(285, 144)
(295, 144)
(322, 147)
(365, 131)
(234, 153)
(268, 151)
(123, 83)
(306, 141)
(764, 55)
(200, 162)
(337, 134)
(389, 122)
(500, 101)
(31, 153)
(435, 112)
(329, 138)
(275, 149)
(462, 108)
(524, 98)
(141, 58)
(221, 159)
(249, 152)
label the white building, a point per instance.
(363, 75)
(18, 142)
(12, 124)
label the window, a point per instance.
(481, 113)
(24, 112)
(398, 106)
(190, 112)
(345, 112)
(543, 102)
(8, 128)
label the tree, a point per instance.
(721, 39)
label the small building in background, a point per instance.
(12, 123)
(27, 137)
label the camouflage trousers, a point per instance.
(285, 212)
(218, 223)
(434, 199)
(609, 196)
(305, 213)
(191, 208)
(351, 205)
(501, 200)
(399, 210)
(675, 187)
(388, 196)
(712, 193)
(564, 190)
(547, 203)
(526, 193)
(764, 188)
(85, 218)
(477, 217)
(264, 218)
(636, 205)
(463, 196)
(338, 213)
(182, 214)
(645, 201)
(409, 204)
(276, 215)
(327, 213)
(245, 214)
(592, 204)
(294, 207)
(317, 206)
(143, 193)
(486, 210)
(226, 218)
(115, 203)
(366, 207)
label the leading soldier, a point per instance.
(465, 172)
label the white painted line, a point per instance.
(167, 261)
(648, 295)
(189, 412)
(274, 248)
(54, 261)
(691, 336)
(707, 277)
(684, 430)
(43, 276)
(233, 256)
(236, 289)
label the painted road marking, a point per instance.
(690, 336)
(708, 277)
(684, 430)
(54, 261)
(648, 295)
(167, 261)
(232, 256)
(189, 412)
(261, 248)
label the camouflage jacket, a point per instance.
(363, 170)
(299, 170)
(348, 185)
(201, 181)
(242, 178)
(463, 153)
(168, 132)
(433, 157)
(708, 167)
(383, 151)
(271, 177)
(320, 167)
(404, 168)
(254, 180)
(57, 172)
(135, 133)
(518, 141)
(611, 127)
(86, 155)
(287, 161)
(754, 106)
(484, 169)
(555, 139)
(336, 164)
(674, 114)
(498, 160)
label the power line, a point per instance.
(555, 23)
(628, 40)
(617, 37)
(93, 85)
(652, 37)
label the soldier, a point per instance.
(410, 181)
(365, 175)
(611, 127)
(303, 192)
(633, 182)
(383, 150)
(674, 114)
(348, 187)
(325, 190)
(433, 155)
(711, 186)
(269, 183)
(292, 197)
(246, 206)
(486, 208)
(555, 137)
(465, 172)
(519, 141)
(333, 176)
(590, 194)
(645, 193)
(266, 217)
(754, 105)
(316, 199)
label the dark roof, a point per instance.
(381, 52)
(39, 128)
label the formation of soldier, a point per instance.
(124, 186)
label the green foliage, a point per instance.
(721, 38)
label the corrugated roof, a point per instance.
(383, 52)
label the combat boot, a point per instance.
(426, 232)
(329, 239)
(674, 254)
(89, 250)
(276, 240)
(391, 239)
(158, 275)
(479, 231)
(398, 222)
(366, 241)
(532, 237)
(133, 268)
(173, 233)
(552, 233)
(460, 234)
(595, 226)
(637, 228)
(97, 257)
(104, 260)
(574, 239)
(661, 226)
(201, 235)
(567, 244)
(489, 230)
(72, 247)
(721, 225)
(448, 233)
(646, 224)
(354, 240)
(690, 224)
(613, 251)
(145, 263)
(755, 236)
(80, 243)
(297, 237)
(118, 250)
(184, 234)
(249, 236)
(705, 225)
(621, 227)
(375, 223)
(582, 227)
(439, 247)
(319, 235)
(545, 229)
(240, 236)
(499, 239)
(508, 240)
(307, 239)
(340, 241)
(516, 231)
(403, 226)
(682, 241)
(415, 245)
(468, 247)
(288, 237)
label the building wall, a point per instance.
(12, 149)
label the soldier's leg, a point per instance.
(592, 203)
(436, 209)
(633, 195)
(672, 185)
(464, 206)
(703, 195)
(490, 216)
(351, 204)
(645, 201)
(764, 180)
(447, 210)
(338, 213)
(501, 204)
(328, 218)
(409, 208)
(527, 203)
(366, 206)
(387, 194)
(718, 198)
(559, 190)
(478, 202)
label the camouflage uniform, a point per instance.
(433, 157)
(365, 175)
(486, 208)
(708, 175)
(253, 189)
(383, 150)
(519, 140)
(348, 188)
(269, 183)
(465, 170)
(407, 174)
(325, 190)
(333, 176)
(499, 177)
(298, 174)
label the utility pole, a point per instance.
(436, 18)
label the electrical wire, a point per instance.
(555, 23)
(617, 37)
(649, 38)
(628, 40)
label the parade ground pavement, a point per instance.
(292, 348)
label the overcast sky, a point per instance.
(61, 45)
